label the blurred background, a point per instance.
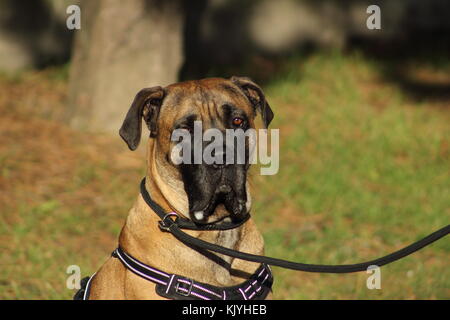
(363, 116)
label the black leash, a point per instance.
(187, 239)
(174, 227)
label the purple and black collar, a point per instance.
(177, 287)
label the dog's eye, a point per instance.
(238, 122)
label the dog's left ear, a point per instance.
(256, 96)
(146, 104)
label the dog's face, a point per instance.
(215, 103)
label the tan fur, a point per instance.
(141, 237)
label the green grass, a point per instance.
(364, 170)
(377, 179)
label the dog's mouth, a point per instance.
(221, 204)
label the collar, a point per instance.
(176, 287)
(184, 223)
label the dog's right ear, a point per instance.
(256, 96)
(146, 104)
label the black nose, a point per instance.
(224, 189)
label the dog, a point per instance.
(202, 193)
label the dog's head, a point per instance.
(222, 104)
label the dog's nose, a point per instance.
(224, 188)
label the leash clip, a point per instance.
(166, 222)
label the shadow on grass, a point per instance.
(419, 65)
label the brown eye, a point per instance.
(238, 121)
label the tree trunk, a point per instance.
(122, 47)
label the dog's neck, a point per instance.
(142, 238)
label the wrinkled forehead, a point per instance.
(204, 97)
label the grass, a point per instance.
(363, 172)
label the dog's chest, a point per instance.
(229, 239)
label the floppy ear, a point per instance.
(146, 104)
(256, 96)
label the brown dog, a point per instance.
(214, 191)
